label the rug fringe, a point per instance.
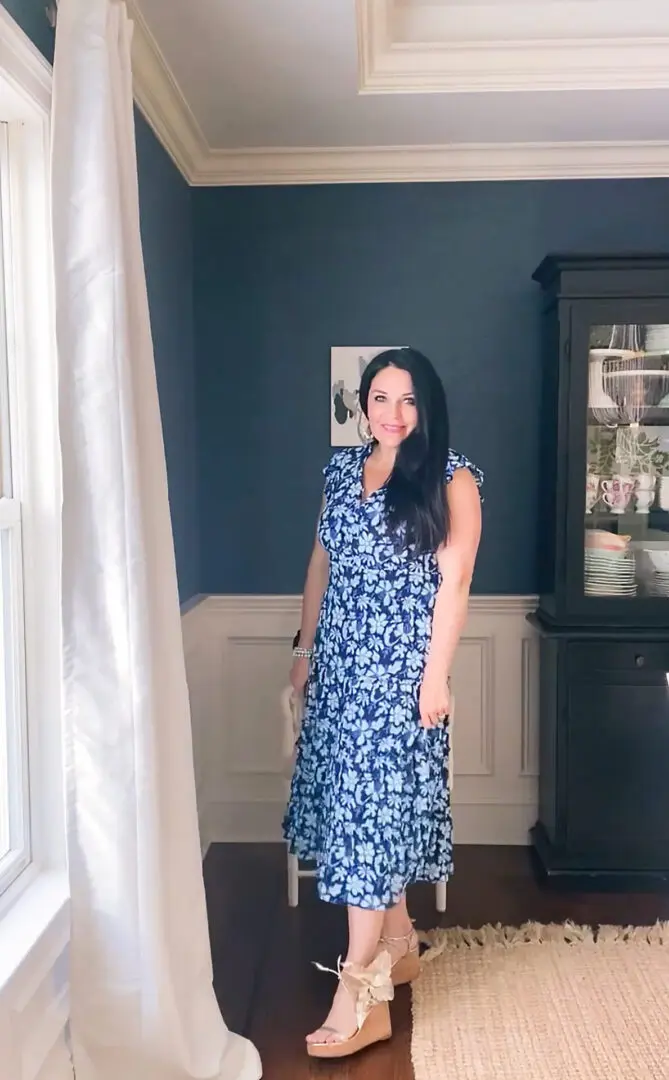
(535, 933)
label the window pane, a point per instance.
(14, 832)
(4, 778)
(6, 307)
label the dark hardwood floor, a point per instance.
(269, 990)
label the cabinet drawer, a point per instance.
(587, 657)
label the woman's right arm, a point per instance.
(314, 590)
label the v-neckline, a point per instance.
(363, 499)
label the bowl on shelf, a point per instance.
(659, 557)
(659, 583)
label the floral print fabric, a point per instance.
(369, 797)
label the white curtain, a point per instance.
(142, 1003)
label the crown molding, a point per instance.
(405, 164)
(23, 65)
(374, 37)
(483, 67)
(162, 103)
(460, 58)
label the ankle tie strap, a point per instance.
(368, 986)
(404, 937)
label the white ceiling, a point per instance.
(330, 74)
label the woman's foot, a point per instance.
(340, 1022)
(361, 1020)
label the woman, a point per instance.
(384, 603)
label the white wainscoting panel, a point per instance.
(238, 657)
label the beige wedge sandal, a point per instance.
(371, 989)
(406, 967)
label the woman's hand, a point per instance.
(434, 702)
(299, 673)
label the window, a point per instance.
(32, 820)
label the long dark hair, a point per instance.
(415, 497)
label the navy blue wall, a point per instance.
(167, 240)
(31, 17)
(281, 274)
(166, 222)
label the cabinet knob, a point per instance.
(639, 660)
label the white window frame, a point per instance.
(13, 700)
(25, 104)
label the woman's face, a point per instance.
(391, 407)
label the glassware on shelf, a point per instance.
(626, 501)
(603, 407)
(626, 379)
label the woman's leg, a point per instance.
(364, 931)
(398, 932)
(396, 920)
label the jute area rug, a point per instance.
(556, 1002)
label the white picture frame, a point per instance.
(347, 363)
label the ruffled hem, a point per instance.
(430, 873)
(395, 895)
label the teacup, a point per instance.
(645, 482)
(616, 493)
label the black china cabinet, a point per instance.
(603, 614)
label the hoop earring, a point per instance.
(365, 431)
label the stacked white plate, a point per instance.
(609, 573)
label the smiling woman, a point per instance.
(384, 604)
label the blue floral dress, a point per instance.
(369, 798)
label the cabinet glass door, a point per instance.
(627, 478)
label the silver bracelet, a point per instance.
(302, 654)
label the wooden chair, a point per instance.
(291, 707)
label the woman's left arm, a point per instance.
(456, 560)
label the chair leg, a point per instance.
(440, 890)
(293, 881)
